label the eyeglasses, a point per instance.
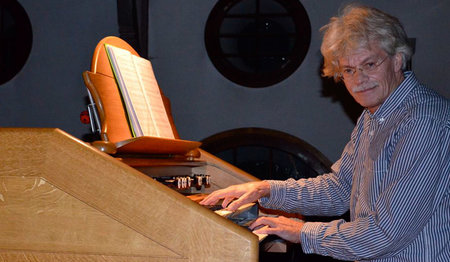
(367, 68)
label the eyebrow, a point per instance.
(364, 61)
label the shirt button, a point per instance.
(382, 120)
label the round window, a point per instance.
(15, 39)
(257, 43)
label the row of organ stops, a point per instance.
(186, 182)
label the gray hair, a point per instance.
(358, 26)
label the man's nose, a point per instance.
(360, 76)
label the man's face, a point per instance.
(371, 75)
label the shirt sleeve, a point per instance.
(308, 197)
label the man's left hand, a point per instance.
(286, 228)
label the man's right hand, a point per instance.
(243, 193)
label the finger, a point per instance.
(291, 236)
(263, 221)
(236, 204)
(265, 230)
(244, 199)
(227, 201)
(207, 201)
(211, 199)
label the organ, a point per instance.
(121, 198)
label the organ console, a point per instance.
(121, 198)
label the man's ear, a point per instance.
(398, 62)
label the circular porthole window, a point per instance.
(15, 39)
(257, 43)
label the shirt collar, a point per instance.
(396, 98)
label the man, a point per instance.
(394, 173)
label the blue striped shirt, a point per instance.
(393, 176)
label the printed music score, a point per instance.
(140, 93)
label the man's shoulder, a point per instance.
(424, 102)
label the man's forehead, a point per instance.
(360, 55)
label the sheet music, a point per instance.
(127, 81)
(153, 98)
(141, 93)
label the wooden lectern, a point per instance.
(62, 199)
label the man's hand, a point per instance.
(243, 193)
(286, 228)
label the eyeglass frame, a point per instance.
(367, 71)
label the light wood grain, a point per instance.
(64, 198)
(30, 256)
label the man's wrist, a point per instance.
(264, 188)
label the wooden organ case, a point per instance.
(62, 199)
